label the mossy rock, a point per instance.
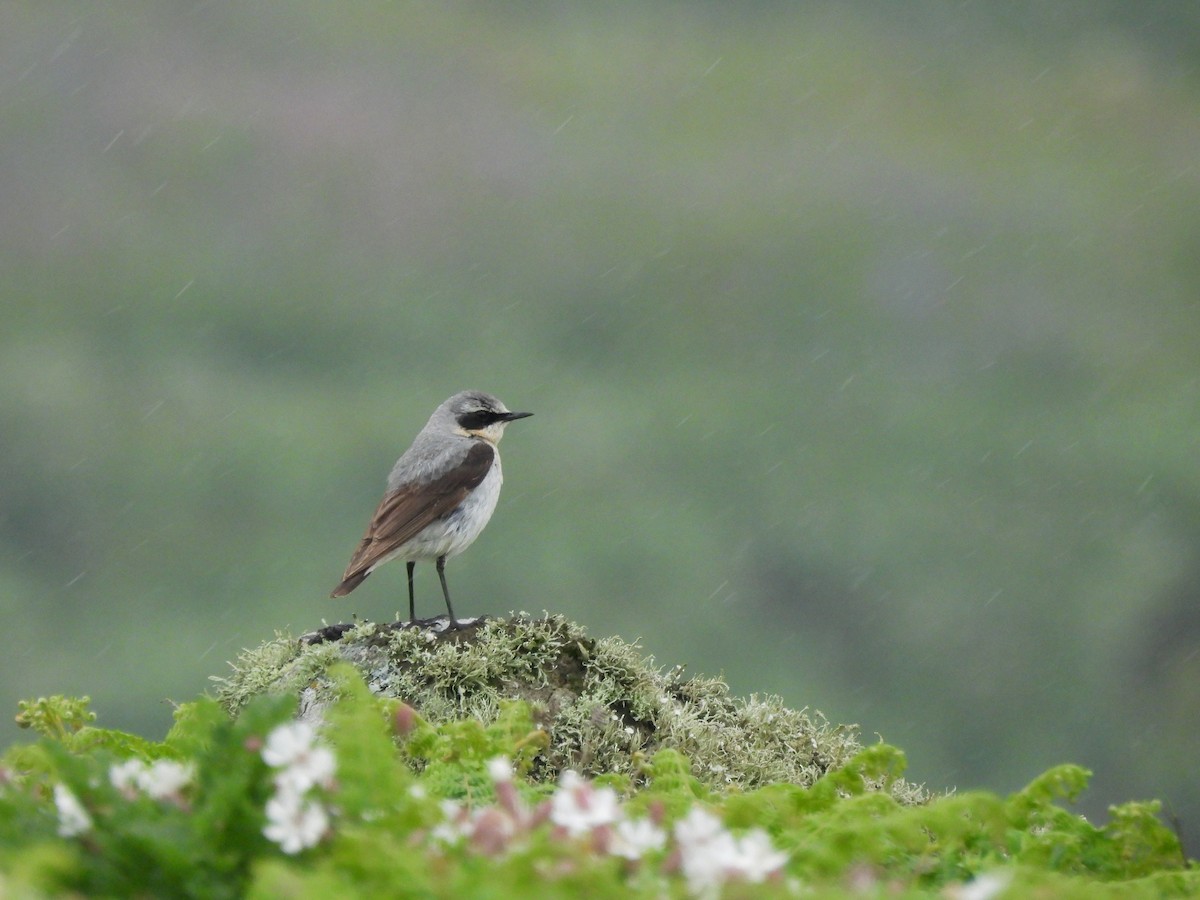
(603, 705)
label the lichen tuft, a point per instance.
(605, 706)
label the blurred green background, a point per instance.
(864, 342)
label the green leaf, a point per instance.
(56, 716)
(194, 726)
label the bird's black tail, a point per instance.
(349, 584)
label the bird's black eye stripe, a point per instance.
(479, 418)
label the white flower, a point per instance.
(161, 779)
(447, 833)
(705, 865)
(697, 828)
(293, 823)
(579, 807)
(288, 742)
(705, 849)
(633, 837)
(710, 855)
(124, 775)
(754, 858)
(165, 778)
(455, 827)
(982, 887)
(315, 767)
(73, 819)
(292, 747)
(500, 769)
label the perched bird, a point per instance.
(440, 493)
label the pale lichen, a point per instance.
(604, 705)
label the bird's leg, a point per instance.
(441, 569)
(412, 604)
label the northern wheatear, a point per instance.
(440, 493)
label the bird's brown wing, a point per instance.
(406, 511)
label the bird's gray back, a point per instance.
(433, 453)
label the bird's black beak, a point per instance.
(512, 416)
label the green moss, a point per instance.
(606, 708)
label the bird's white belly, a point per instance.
(454, 533)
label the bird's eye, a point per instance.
(476, 419)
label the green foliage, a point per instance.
(454, 757)
(1134, 843)
(842, 834)
(669, 780)
(65, 719)
(198, 843)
